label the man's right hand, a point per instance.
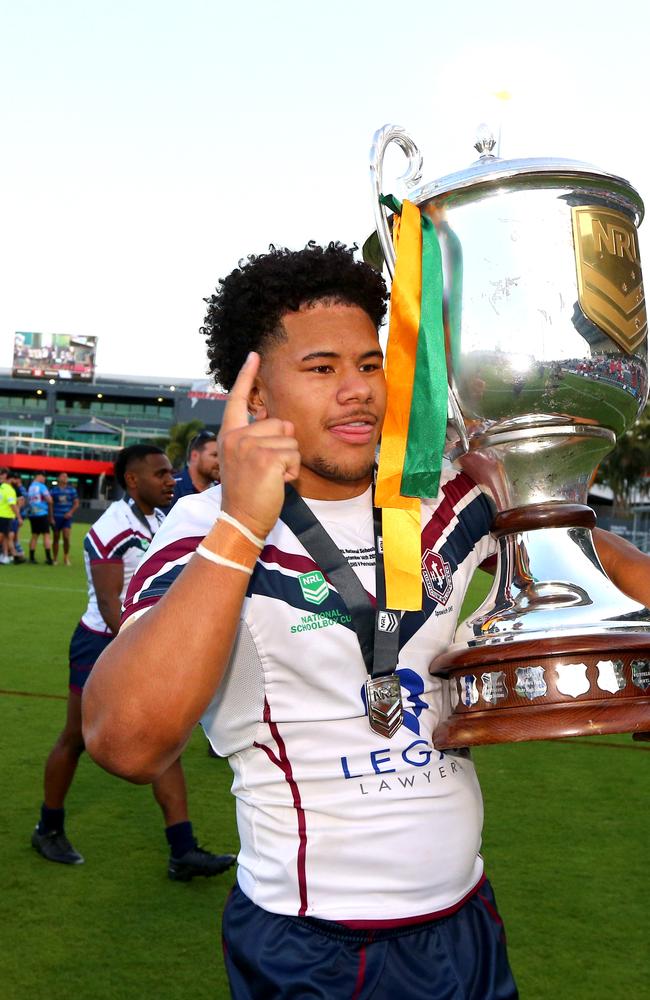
(256, 459)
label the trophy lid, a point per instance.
(490, 171)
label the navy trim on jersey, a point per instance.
(178, 550)
(278, 586)
(136, 541)
(157, 588)
(472, 526)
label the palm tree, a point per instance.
(625, 470)
(180, 436)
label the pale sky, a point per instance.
(147, 145)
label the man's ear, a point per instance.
(256, 404)
(130, 479)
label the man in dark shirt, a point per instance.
(202, 468)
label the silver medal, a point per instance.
(384, 697)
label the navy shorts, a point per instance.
(458, 957)
(61, 522)
(86, 647)
(6, 525)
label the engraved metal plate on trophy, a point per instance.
(641, 674)
(530, 682)
(572, 679)
(610, 676)
(495, 688)
(467, 689)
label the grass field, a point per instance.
(570, 393)
(566, 844)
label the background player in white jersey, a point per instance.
(112, 549)
(359, 871)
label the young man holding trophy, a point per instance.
(359, 871)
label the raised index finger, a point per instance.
(235, 414)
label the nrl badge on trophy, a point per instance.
(533, 361)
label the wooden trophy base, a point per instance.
(581, 670)
(539, 690)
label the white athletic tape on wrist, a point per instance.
(220, 561)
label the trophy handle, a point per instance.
(411, 176)
(455, 418)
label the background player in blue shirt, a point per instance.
(39, 507)
(65, 501)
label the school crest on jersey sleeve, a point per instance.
(436, 576)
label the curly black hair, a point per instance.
(245, 313)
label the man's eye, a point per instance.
(321, 369)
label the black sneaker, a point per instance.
(199, 862)
(55, 846)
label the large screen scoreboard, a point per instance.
(54, 355)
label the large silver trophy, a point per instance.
(546, 336)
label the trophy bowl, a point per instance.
(546, 342)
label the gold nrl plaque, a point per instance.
(610, 283)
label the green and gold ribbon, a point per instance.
(414, 430)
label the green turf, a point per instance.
(568, 393)
(114, 928)
(566, 845)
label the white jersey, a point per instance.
(335, 821)
(118, 536)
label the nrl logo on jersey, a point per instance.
(436, 576)
(314, 587)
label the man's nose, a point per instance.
(354, 386)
